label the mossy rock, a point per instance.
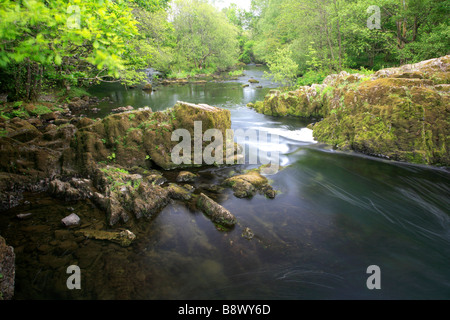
(398, 113)
(218, 214)
(405, 119)
(143, 137)
(186, 176)
(248, 184)
(124, 238)
(211, 117)
(177, 192)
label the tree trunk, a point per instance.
(34, 94)
(28, 82)
(339, 34)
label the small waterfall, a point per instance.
(151, 73)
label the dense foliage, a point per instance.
(330, 35)
(47, 44)
(205, 39)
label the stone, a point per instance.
(214, 211)
(64, 190)
(74, 190)
(186, 176)
(7, 270)
(122, 109)
(248, 234)
(148, 87)
(253, 81)
(23, 216)
(49, 116)
(248, 184)
(71, 220)
(396, 113)
(149, 200)
(177, 192)
(124, 238)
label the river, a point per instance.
(335, 215)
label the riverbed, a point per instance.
(335, 215)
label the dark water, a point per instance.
(335, 215)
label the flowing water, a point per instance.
(335, 215)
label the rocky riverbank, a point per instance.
(398, 113)
(122, 164)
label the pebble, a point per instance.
(71, 220)
(24, 215)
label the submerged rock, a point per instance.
(143, 138)
(248, 234)
(124, 238)
(218, 214)
(148, 87)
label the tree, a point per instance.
(72, 44)
(282, 67)
(242, 20)
(204, 37)
(336, 31)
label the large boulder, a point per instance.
(398, 113)
(303, 102)
(124, 195)
(143, 138)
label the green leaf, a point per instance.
(58, 60)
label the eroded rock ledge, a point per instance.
(7, 270)
(113, 161)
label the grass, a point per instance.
(40, 110)
(72, 93)
(24, 111)
(109, 171)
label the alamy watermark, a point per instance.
(225, 148)
(374, 281)
(74, 21)
(73, 281)
(374, 21)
